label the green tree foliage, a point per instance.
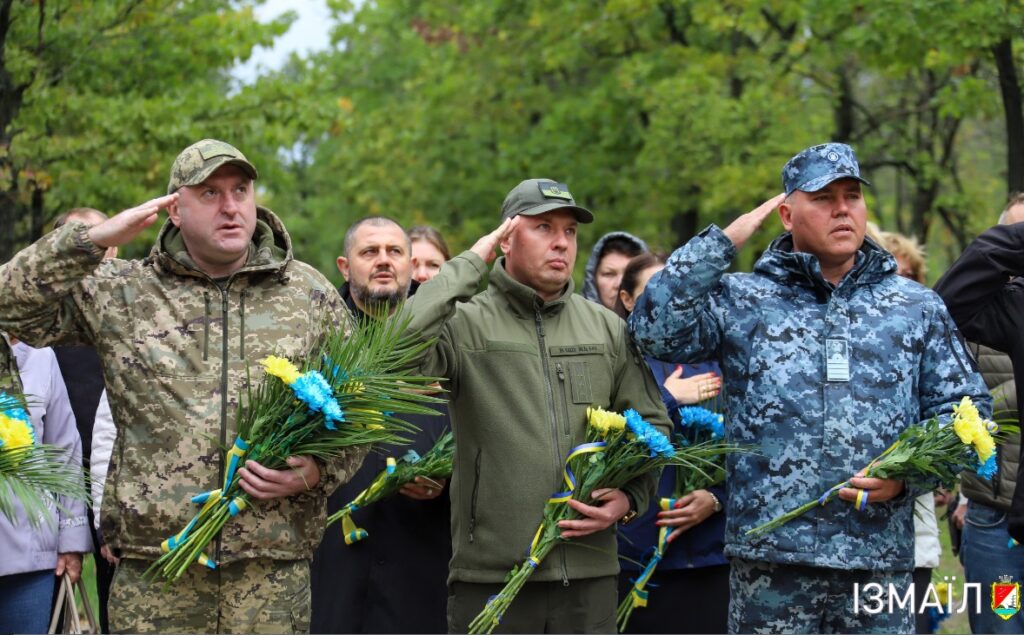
(662, 116)
(97, 98)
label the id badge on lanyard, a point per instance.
(837, 359)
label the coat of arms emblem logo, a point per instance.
(1005, 597)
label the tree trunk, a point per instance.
(1009, 86)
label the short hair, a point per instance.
(63, 219)
(1017, 198)
(909, 249)
(631, 275)
(619, 244)
(373, 221)
(432, 236)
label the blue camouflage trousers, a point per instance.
(766, 597)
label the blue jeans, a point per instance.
(985, 556)
(25, 600)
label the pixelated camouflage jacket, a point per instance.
(175, 349)
(768, 331)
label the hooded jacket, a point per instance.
(997, 492)
(768, 330)
(522, 373)
(590, 273)
(176, 346)
(30, 547)
(989, 308)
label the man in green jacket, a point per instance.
(524, 360)
(177, 333)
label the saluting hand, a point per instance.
(120, 229)
(486, 245)
(741, 229)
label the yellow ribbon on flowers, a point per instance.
(638, 594)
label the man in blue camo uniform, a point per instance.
(829, 356)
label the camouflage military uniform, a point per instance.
(768, 329)
(175, 347)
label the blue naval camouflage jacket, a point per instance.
(768, 330)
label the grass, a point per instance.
(89, 578)
(949, 565)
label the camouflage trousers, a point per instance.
(766, 597)
(251, 596)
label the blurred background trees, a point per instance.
(662, 116)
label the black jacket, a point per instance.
(985, 295)
(394, 580)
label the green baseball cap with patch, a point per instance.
(198, 161)
(536, 196)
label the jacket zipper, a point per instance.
(223, 391)
(206, 327)
(565, 399)
(476, 491)
(539, 322)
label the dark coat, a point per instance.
(989, 309)
(394, 580)
(700, 546)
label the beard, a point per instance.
(379, 300)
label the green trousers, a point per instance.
(250, 596)
(584, 606)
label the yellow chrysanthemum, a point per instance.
(967, 421)
(281, 368)
(604, 421)
(14, 433)
(984, 445)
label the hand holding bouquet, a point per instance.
(923, 455)
(32, 474)
(346, 393)
(435, 464)
(703, 438)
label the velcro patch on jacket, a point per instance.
(510, 347)
(576, 349)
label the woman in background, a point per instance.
(689, 592)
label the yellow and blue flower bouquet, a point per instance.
(346, 393)
(924, 455)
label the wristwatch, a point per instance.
(718, 503)
(631, 514)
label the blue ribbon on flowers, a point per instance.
(568, 476)
(638, 593)
(827, 496)
(212, 498)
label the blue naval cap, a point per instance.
(819, 165)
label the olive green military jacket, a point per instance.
(175, 347)
(522, 374)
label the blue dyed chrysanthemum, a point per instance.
(313, 390)
(988, 469)
(702, 419)
(644, 432)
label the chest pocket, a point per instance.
(178, 331)
(580, 370)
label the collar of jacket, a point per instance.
(779, 262)
(270, 249)
(523, 300)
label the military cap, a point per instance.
(819, 165)
(199, 160)
(536, 196)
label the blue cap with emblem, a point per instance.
(817, 166)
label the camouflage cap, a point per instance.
(199, 160)
(536, 196)
(817, 166)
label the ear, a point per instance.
(174, 213)
(342, 263)
(505, 244)
(627, 300)
(786, 215)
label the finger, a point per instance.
(848, 494)
(61, 566)
(601, 494)
(265, 473)
(256, 486)
(415, 492)
(678, 372)
(684, 501)
(867, 483)
(769, 206)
